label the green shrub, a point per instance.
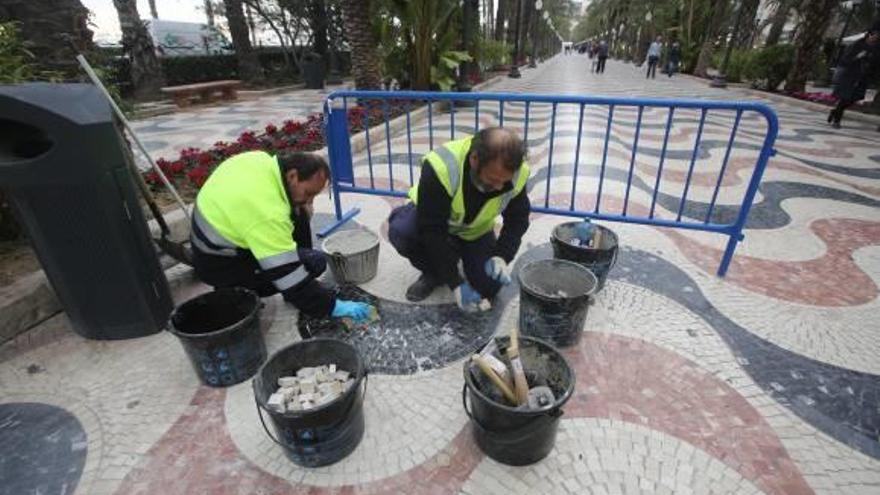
(736, 66)
(492, 53)
(769, 66)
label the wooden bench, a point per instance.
(205, 91)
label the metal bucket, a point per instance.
(353, 255)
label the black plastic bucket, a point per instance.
(506, 434)
(220, 332)
(554, 299)
(598, 259)
(327, 433)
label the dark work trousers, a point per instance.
(243, 270)
(404, 236)
(600, 66)
(652, 67)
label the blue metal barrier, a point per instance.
(728, 219)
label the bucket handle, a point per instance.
(266, 428)
(512, 435)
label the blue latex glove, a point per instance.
(584, 231)
(359, 312)
(497, 269)
(467, 298)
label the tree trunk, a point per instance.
(809, 41)
(146, 71)
(365, 62)
(779, 18)
(317, 11)
(719, 10)
(153, 12)
(55, 32)
(744, 36)
(248, 63)
(525, 34)
(209, 12)
(512, 18)
(500, 17)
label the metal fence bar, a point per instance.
(430, 124)
(388, 143)
(604, 157)
(477, 117)
(662, 160)
(409, 144)
(452, 120)
(723, 165)
(550, 156)
(632, 160)
(526, 125)
(500, 113)
(369, 146)
(687, 182)
(577, 156)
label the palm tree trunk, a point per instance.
(500, 17)
(809, 41)
(248, 63)
(54, 31)
(744, 36)
(779, 18)
(719, 9)
(146, 71)
(153, 12)
(365, 62)
(209, 12)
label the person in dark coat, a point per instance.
(674, 59)
(859, 63)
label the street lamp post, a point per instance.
(538, 6)
(469, 11)
(514, 68)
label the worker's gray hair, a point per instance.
(493, 143)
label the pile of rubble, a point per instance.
(310, 388)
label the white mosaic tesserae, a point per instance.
(309, 388)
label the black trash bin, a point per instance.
(64, 166)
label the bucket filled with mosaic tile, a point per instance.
(312, 393)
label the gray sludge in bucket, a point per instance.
(353, 255)
(220, 332)
(554, 298)
(510, 435)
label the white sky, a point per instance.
(106, 23)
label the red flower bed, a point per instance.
(194, 165)
(817, 97)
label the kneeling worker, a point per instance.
(251, 229)
(464, 186)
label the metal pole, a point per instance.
(536, 16)
(514, 69)
(94, 77)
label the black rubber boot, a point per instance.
(421, 288)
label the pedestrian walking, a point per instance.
(602, 56)
(859, 63)
(654, 52)
(674, 59)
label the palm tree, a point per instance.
(501, 17)
(248, 63)
(146, 72)
(153, 12)
(778, 20)
(719, 11)
(54, 31)
(365, 62)
(808, 41)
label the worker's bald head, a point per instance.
(498, 143)
(496, 154)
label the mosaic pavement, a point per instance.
(765, 381)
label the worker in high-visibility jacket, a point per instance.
(250, 228)
(465, 185)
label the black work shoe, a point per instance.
(421, 288)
